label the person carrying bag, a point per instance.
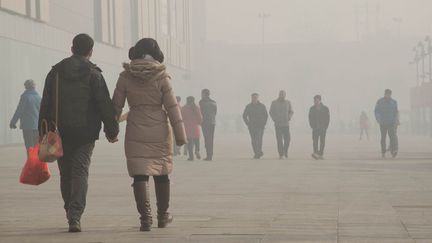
(51, 147)
(77, 87)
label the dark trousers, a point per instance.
(283, 138)
(157, 179)
(391, 131)
(74, 168)
(208, 134)
(193, 143)
(256, 139)
(31, 138)
(319, 135)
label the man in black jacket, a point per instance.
(255, 116)
(208, 109)
(84, 102)
(319, 120)
(281, 112)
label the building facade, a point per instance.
(36, 34)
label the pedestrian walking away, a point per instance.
(177, 149)
(364, 125)
(146, 86)
(387, 116)
(192, 121)
(281, 113)
(84, 103)
(209, 109)
(319, 120)
(27, 113)
(255, 116)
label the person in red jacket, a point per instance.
(192, 119)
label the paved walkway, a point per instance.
(352, 196)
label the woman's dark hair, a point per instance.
(82, 44)
(190, 100)
(132, 53)
(146, 46)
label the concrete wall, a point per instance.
(29, 48)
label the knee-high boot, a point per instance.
(163, 196)
(142, 198)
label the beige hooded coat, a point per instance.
(152, 105)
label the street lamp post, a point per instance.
(263, 16)
(422, 56)
(428, 40)
(416, 62)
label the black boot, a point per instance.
(163, 197)
(142, 198)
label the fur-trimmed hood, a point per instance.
(146, 70)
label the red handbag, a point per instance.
(34, 172)
(51, 147)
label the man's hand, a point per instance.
(180, 142)
(112, 140)
(12, 126)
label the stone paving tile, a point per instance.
(352, 196)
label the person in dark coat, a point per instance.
(84, 104)
(27, 112)
(208, 109)
(281, 112)
(255, 116)
(319, 120)
(387, 115)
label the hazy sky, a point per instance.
(299, 20)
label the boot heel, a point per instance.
(145, 228)
(163, 222)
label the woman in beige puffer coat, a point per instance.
(145, 84)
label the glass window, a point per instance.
(36, 9)
(109, 22)
(17, 6)
(164, 16)
(173, 18)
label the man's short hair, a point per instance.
(29, 84)
(82, 44)
(388, 91)
(255, 94)
(317, 97)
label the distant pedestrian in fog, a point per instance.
(364, 125)
(177, 148)
(319, 120)
(387, 115)
(192, 119)
(27, 112)
(281, 113)
(255, 116)
(209, 109)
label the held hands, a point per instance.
(112, 140)
(12, 126)
(180, 142)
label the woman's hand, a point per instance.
(181, 142)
